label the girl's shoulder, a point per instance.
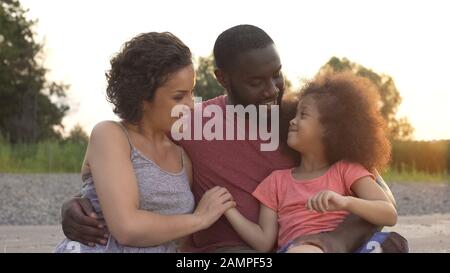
(279, 175)
(344, 165)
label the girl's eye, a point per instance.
(178, 98)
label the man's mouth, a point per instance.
(270, 102)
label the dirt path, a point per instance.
(426, 233)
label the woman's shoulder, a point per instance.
(109, 131)
(107, 127)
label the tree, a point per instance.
(78, 135)
(30, 106)
(206, 85)
(399, 128)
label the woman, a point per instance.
(133, 174)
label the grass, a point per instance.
(415, 176)
(67, 157)
(43, 157)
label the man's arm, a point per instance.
(351, 233)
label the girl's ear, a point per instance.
(222, 78)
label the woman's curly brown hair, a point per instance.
(142, 66)
(349, 109)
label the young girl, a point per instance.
(340, 135)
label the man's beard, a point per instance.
(239, 100)
(236, 97)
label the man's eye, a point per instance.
(255, 83)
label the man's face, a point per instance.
(256, 78)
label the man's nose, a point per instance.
(272, 90)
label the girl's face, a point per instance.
(305, 130)
(176, 91)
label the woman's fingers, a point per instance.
(226, 197)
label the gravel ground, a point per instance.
(35, 199)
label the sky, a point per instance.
(408, 40)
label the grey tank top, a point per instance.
(160, 191)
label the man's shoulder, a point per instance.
(219, 100)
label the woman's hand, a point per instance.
(212, 205)
(327, 201)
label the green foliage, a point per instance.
(415, 176)
(28, 112)
(399, 128)
(206, 85)
(77, 135)
(422, 156)
(42, 157)
(419, 161)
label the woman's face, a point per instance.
(176, 91)
(305, 130)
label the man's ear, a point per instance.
(222, 78)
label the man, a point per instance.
(249, 68)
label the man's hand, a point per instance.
(80, 223)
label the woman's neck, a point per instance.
(149, 131)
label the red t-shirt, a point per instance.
(239, 166)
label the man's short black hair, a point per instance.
(237, 40)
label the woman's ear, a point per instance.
(221, 78)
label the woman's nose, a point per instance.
(189, 102)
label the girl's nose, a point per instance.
(292, 122)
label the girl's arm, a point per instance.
(117, 188)
(260, 236)
(370, 204)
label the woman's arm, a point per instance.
(260, 236)
(116, 185)
(370, 204)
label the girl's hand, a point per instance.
(212, 205)
(327, 201)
